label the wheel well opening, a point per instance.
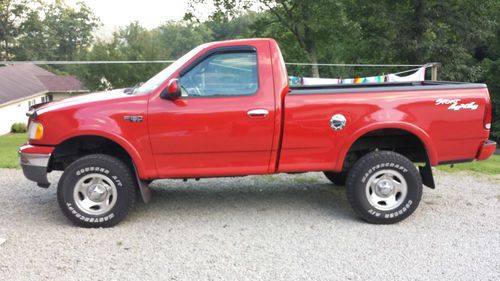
(397, 140)
(72, 149)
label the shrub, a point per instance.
(18, 128)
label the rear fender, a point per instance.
(418, 132)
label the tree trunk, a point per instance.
(300, 29)
(314, 60)
(310, 47)
(3, 50)
(418, 29)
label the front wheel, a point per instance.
(384, 187)
(96, 191)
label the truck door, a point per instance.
(223, 123)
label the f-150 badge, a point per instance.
(454, 104)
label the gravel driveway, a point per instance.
(254, 228)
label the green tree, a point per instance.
(71, 28)
(12, 16)
(492, 77)
(419, 31)
(308, 22)
(135, 43)
(178, 38)
(55, 31)
(132, 42)
(462, 35)
(240, 27)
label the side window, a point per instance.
(226, 74)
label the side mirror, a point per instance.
(172, 91)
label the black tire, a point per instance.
(338, 179)
(396, 171)
(112, 178)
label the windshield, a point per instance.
(159, 78)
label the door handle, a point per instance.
(258, 113)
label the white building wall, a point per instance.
(15, 112)
(60, 96)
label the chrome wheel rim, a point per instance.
(95, 194)
(386, 190)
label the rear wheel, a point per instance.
(338, 179)
(96, 191)
(384, 187)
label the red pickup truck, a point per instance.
(226, 109)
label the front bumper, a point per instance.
(34, 162)
(486, 150)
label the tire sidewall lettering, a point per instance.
(377, 167)
(88, 219)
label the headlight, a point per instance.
(35, 131)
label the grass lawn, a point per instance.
(490, 166)
(8, 149)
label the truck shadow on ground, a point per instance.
(219, 197)
(237, 197)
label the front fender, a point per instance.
(139, 158)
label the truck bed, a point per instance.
(447, 117)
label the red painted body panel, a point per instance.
(280, 77)
(308, 140)
(101, 114)
(214, 136)
(36, 149)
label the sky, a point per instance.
(149, 13)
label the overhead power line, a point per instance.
(87, 62)
(354, 64)
(171, 61)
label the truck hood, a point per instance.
(82, 100)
